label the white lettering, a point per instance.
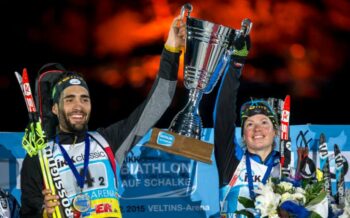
(167, 182)
(131, 183)
(156, 168)
(58, 182)
(103, 194)
(167, 137)
(177, 207)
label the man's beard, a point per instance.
(74, 128)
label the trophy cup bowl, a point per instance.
(208, 50)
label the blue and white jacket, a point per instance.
(230, 156)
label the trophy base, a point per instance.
(181, 145)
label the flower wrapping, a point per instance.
(287, 198)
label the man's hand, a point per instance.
(50, 202)
(177, 35)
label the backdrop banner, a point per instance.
(153, 183)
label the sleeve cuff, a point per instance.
(172, 49)
(169, 65)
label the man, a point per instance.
(83, 158)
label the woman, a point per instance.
(241, 168)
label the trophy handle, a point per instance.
(185, 7)
(246, 26)
(240, 34)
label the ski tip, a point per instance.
(286, 103)
(287, 100)
(17, 74)
(19, 78)
(25, 75)
(336, 149)
(322, 138)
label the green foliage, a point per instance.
(317, 199)
(314, 193)
(246, 202)
(314, 215)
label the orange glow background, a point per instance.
(298, 48)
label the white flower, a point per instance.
(286, 196)
(299, 197)
(300, 190)
(265, 189)
(287, 186)
(267, 201)
(266, 207)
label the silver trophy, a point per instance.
(208, 50)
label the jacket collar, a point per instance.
(71, 138)
(273, 156)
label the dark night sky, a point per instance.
(298, 48)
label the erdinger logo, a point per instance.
(103, 208)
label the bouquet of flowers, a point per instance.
(287, 199)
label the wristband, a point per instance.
(172, 49)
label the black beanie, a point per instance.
(69, 79)
(254, 107)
